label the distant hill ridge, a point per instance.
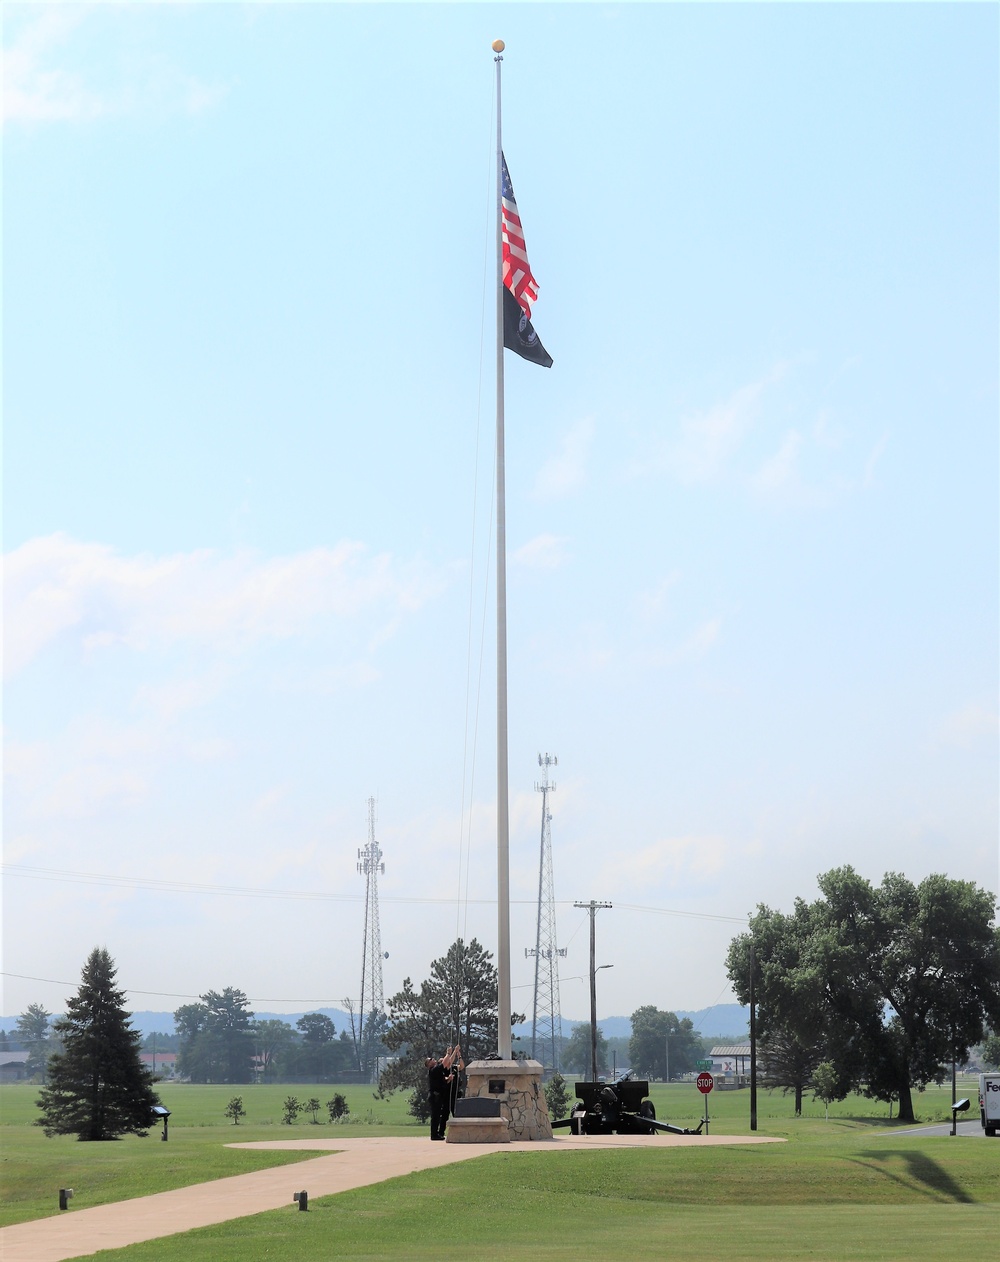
(727, 1020)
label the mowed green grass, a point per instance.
(847, 1188)
(849, 1196)
(33, 1167)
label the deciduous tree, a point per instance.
(235, 1109)
(217, 1037)
(648, 1047)
(888, 984)
(98, 1087)
(319, 1054)
(273, 1040)
(825, 1084)
(34, 1034)
(576, 1055)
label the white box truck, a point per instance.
(989, 1102)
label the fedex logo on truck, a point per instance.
(989, 1102)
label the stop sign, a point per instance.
(705, 1083)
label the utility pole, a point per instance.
(546, 1017)
(593, 907)
(753, 1042)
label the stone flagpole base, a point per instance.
(517, 1086)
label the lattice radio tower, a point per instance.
(371, 1018)
(546, 1018)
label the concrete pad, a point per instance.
(348, 1163)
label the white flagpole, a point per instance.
(503, 821)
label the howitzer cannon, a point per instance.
(604, 1108)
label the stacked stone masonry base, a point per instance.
(517, 1084)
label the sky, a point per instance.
(248, 440)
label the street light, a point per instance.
(596, 969)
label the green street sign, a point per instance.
(703, 1064)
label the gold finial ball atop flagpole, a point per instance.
(498, 45)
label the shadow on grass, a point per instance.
(931, 1179)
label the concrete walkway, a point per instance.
(354, 1163)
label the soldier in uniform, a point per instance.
(439, 1079)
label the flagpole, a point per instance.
(503, 820)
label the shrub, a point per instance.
(338, 1107)
(235, 1109)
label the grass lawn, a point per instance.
(845, 1189)
(847, 1196)
(33, 1168)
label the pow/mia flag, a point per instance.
(518, 334)
(520, 289)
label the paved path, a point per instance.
(355, 1163)
(968, 1128)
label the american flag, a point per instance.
(516, 268)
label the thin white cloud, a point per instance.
(701, 640)
(710, 440)
(44, 82)
(170, 699)
(651, 604)
(969, 725)
(56, 585)
(34, 88)
(544, 552)
(566, 471)
(874, 457)
(667, 863)
(780, 470)
(97, 761)
(747, 442)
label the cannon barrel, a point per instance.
(674, 1130)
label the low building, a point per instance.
(731, 1065)
(13, 1066)
(163, 1064)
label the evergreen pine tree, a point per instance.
(98, 1087)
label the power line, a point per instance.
(169, 994)
(173, 886)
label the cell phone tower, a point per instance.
(546, 1017)
(371, 1017)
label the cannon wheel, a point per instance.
(646, 1109)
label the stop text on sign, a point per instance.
(705, 1083)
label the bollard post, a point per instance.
(64, 1195)
(302, 1199)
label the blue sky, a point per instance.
(248, 404)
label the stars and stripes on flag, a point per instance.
(520, 286)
